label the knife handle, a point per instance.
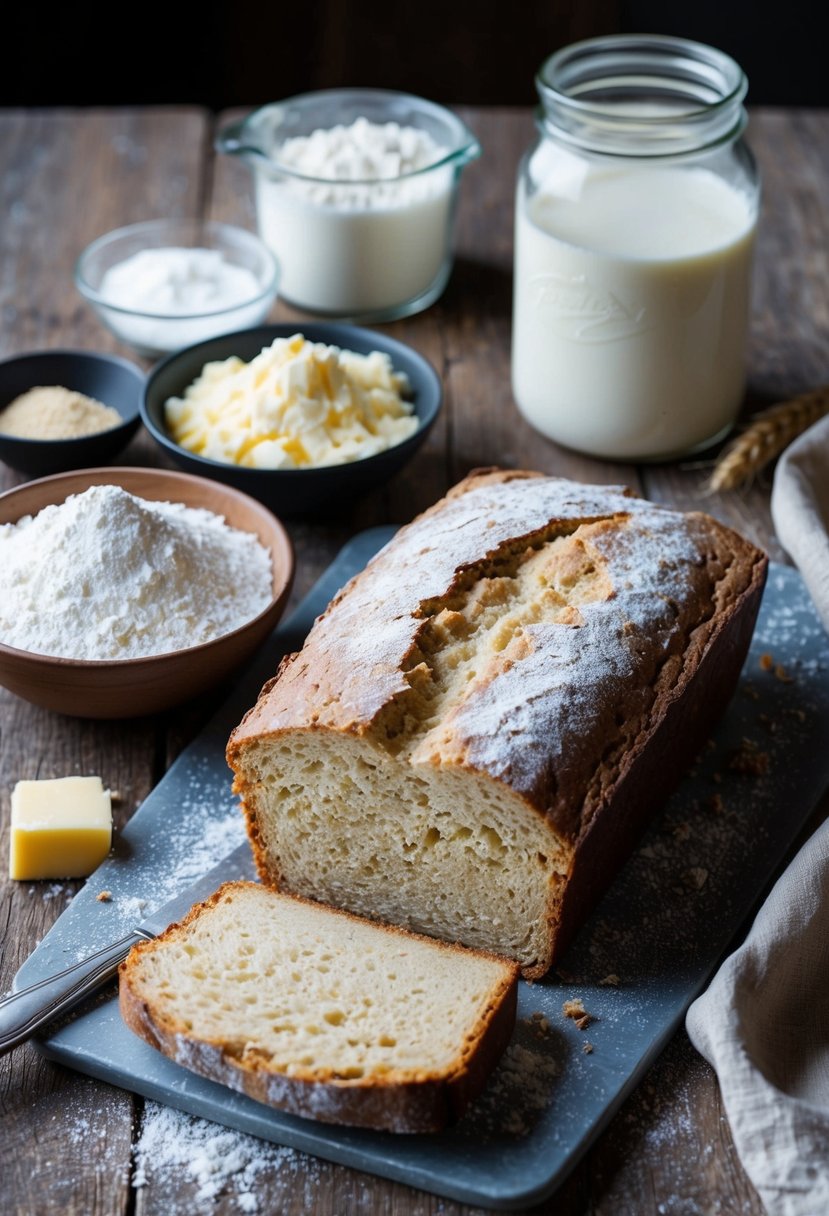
(25, 1011)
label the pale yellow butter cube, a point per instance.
(60, 828)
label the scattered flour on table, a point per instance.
(55, 890)
(106, 575)
(216, 1160)
(674, 1137)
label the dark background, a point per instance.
(222, 54)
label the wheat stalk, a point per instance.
(768, 434)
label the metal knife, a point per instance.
(25, 1011)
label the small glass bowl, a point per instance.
(160, 333)
(363, 251)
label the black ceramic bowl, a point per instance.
(294, 492)
(107, 378)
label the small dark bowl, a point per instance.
(108, 379)
(294, 492)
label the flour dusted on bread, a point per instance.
(320, 1013)
(477, 728)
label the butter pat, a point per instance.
(60, 828)
(297, 404)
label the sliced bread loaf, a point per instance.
(320, 1013)
(479, 725)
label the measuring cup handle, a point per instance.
(229, 140)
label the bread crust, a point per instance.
(403, 1101)
(595, 790)
(651, 775)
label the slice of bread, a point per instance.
(320, 1013)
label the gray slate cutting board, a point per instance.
(661, 929)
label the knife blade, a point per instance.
(28, 1009)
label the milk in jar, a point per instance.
(632, 280)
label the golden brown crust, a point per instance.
(348, 692)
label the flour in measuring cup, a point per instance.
(360, 220)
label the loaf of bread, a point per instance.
(476, 729)
(320, 1013)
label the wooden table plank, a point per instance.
(66, 177)
(467, 336)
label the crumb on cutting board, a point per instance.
(575, 1010)
(749, 759)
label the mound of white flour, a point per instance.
(106, 575)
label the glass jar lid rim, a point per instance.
(658, 48)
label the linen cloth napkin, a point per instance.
(800, 510)
(763, 1023)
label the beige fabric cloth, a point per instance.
(764, 1021)
(764, 1026)
(800, 510)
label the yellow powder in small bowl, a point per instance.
(56, 413)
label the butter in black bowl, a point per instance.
(281, 407)
(107, 380)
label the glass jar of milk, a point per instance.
(635, 217)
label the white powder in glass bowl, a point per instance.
(361, 220)
(106, 575)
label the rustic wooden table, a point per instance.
(68, 176)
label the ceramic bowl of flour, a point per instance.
(135, 562)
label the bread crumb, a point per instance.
(575, 1009)
(520, 1089)
(587, 1048)
(800, 714)
(682, 831)
(749, 760)
(610, 981)
(103, 897)
(766, 662)
(538, 1024)
(715, 804)
(695, 878)
(782, 675)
